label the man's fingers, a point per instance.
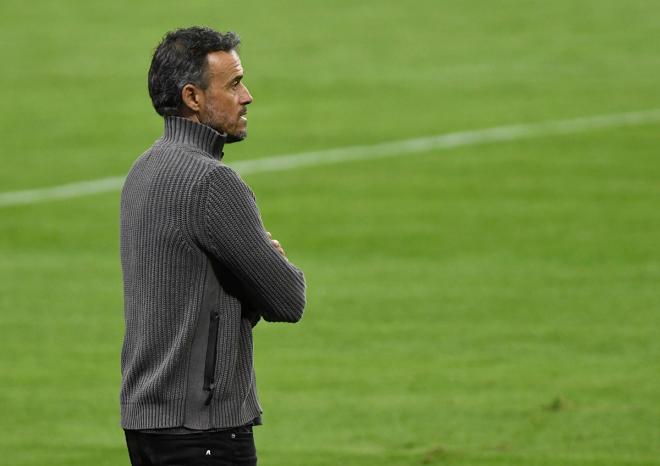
(276, 243)
(278, 246)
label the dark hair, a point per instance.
(180, 59)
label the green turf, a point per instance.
(488, 305)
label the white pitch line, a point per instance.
(361, 152)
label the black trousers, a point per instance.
(233, 447)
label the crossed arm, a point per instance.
(234, 234)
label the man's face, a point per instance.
(226, 97)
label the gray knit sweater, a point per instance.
(199, 271)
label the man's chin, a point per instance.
(235, 137)
(229, 138)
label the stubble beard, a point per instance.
(212, 120)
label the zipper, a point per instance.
(211, 355)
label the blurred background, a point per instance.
(491, 303)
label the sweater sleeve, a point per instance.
(233, 232)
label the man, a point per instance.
(199, 268)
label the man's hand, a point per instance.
(277, 245)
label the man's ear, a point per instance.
(192, 97)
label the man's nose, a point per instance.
(246, 97)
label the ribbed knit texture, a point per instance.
(193, 243)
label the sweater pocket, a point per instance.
(211, 357)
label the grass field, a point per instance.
(494, 304)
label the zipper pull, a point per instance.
(210, 395)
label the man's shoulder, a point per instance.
(183, 154)
(171, 160)
(224, 179)
(169, 170)
(222, 172)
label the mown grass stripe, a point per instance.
(360, 152)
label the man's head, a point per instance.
(196, 73)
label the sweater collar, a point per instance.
(184, 131)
